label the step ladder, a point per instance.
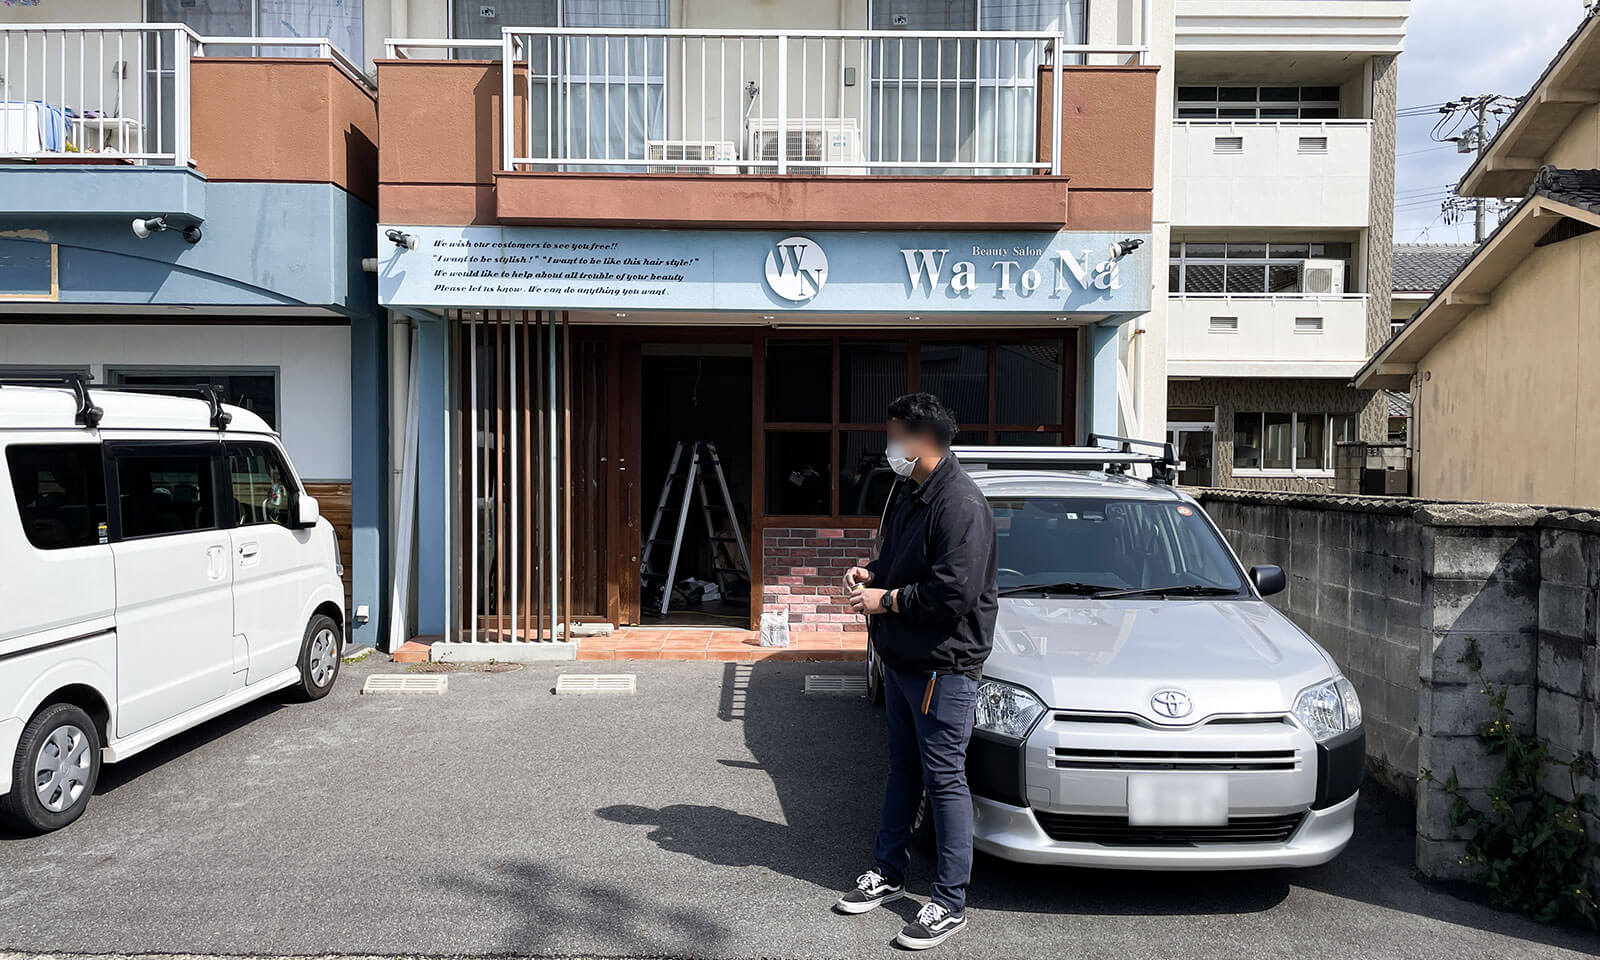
(728, 568)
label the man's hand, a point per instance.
(859, 576)
(869, 600)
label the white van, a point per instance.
(160, 564)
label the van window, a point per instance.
(263, 489)
(61, 493)
(165, 493)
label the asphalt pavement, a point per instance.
(717, 813)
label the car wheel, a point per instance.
(922, 837)
(319, 657)
(874, 677)
(55, 770)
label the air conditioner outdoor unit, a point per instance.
(689, 156)
(1322, 276)
(807, 141)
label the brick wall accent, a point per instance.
(802, 571)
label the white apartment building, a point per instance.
(1281, 221)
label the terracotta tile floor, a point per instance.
(675, 643)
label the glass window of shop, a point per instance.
(824, 401)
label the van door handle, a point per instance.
(248, 552)
(216, 564)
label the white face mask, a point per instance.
(898, 462)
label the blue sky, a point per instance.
(1457, 48)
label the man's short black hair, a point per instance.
(923, 411)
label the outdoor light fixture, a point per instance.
(1122, 248)
(143, 227)
(402, 239)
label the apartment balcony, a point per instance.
(1266, 335)
(1271, 173)
(268, 146)
(1327, 27)
(763, 128)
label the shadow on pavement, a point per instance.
(551, 908)
(825, 758)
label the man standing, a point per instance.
(931, 596)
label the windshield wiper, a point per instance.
(1175, 590)
(1067, 586)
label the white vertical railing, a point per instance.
(116, 91)
(733, 101)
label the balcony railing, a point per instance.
(764, 102)
(1315, 173)
(115, 91)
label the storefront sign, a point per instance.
(762, 271)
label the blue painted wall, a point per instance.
(262, 244)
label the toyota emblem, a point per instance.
(1172, 704)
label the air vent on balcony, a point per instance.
(1313, 144)
(1224, 324)
(1229, 145)
(1307, 324)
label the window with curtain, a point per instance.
(936, 102)
(610, 90)
(339, 21)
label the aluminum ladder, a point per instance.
(728, 568)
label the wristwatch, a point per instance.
(893, 602)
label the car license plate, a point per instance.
(1177, 800)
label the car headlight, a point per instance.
(1329, 708)
(1006, 709)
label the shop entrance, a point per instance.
(696, 397)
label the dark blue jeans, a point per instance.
(928, 751)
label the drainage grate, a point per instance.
(837, 686)
(406, 683)
(590, 683)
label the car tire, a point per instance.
(922, 837)
(319, 657)
(62, 743)
(874, 677)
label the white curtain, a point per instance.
(336, 20)
(615, 87)
(1007, 79)
(962, 101)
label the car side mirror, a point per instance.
(306, 511)
(1268, 578)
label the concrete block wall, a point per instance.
(1397, 590)
(1355, 587)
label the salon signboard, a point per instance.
(763, 272)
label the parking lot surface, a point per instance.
(714, 814)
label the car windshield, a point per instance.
(1086, 546)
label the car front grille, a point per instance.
(1086, 758)
(1117, 832)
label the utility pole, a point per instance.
(1479, 108)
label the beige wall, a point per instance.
(1579, 147)
(1508, 403)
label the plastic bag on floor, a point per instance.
(774, 629)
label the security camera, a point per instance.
(402, 239)
(143, 228)
(1122, 248)
(191, 233)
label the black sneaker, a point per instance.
(933, 926)
(872, 890)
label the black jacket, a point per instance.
(939, 549)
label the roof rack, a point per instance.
(209, 392)
(1114, 455)
(87, 415)
(90, 415)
